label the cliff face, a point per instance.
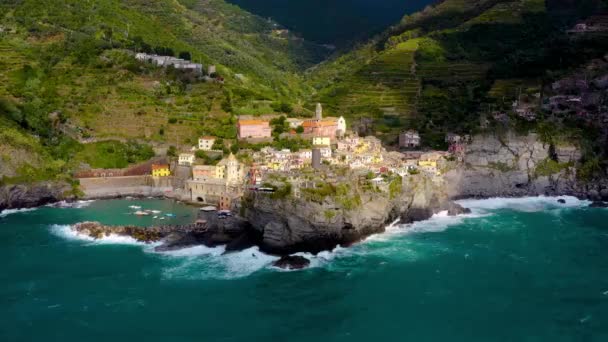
(32, 195)
(513, 165)
(291, 225)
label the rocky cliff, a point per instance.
(512, 165)
(294, 224)
(33, 195)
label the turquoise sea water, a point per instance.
(514, 270)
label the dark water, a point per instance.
(334, 21)
(515, 270)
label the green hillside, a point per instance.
(69, 73)
(443, 68)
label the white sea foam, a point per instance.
(7, 212)
(526, 204)
(66, 232)
(203, 262)
(75, 205)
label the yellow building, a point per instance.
(427, 163)
(321, 141)
(160, 170)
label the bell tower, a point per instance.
(319, 112)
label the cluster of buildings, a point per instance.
(318, 126)
(332, 146)
(165, 61)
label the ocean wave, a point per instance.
(66, 232)
(7, 212)
(75, 204)
(525, 204)
(203, 263)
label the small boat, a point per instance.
(155, 217)
(162, 218)
(155, 211)
(141, 213)
(170, 215)
(134, 207)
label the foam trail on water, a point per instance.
(7, 212)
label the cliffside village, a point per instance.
(333, 147)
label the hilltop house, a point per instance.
(253, 129)
(165, 61)
(206, 143)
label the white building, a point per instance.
(341, 130)
(206, 143)
(325, 152)
(186, 159)
(305, 154)
(409, 139)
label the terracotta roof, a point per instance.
(208, 138)
(252, 122)
(160, 166)
(323, 123)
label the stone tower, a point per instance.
(319, 112)
(232, 170)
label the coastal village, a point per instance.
(333, 154)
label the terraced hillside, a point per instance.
(443, 68)
(69, 76)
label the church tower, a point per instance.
(232, 170)
(319, 112)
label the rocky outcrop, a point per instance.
(508, 166)
(292, 262)
(172, 237)
(32, 195)
(293, 225)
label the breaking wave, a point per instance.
(75, 204)
(395, 244)
(7, 212)
(525, 204)
(66, 232)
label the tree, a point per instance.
(185, 55)
(300, 129)
(172, 151)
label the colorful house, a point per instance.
(253, 129)
(161, 170)
(321, 141)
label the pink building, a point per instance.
(325, 127)
(253, 129)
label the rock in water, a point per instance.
(292, 262)
(455, 209)
(598, 204)
(561, 201)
